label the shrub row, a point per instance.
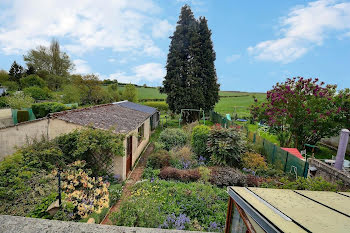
(188, 175)
(160, 105)
(43, 109)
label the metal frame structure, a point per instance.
(194, 110)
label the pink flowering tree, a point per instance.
(301, 111)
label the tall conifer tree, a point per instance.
(191, 80)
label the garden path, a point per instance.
(133, 178)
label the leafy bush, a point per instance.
(188, 175)
(40, 209)
(171, 138)
(160, 105)
(43, 109)
(19, 100)
(159, 159)
(22, 186)
(199, 140)
(227, 176)
(150, 173)
(32, 80)
(204, 174)
(97, 147)
(3, 102)
(130, 93)
(11, 85)
(115, 192)
(151, 203)
(37, 93)
(254, 161)
(71, 94)
(226, 146)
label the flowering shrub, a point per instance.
(308, 109)
(115, 192)
(87, 194)
(253, 161)
(173, 222)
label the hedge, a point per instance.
(42, 109)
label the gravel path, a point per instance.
(133, 178)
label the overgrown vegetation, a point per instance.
(152, 202)
(26, 178)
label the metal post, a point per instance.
(285, 165)
(343, 143)
(59, 187)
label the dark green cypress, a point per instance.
(207, 71)
(15, 72)
(190, 81)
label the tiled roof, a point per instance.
(138, 107)
(107, 116)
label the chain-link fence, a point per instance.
(274, 154)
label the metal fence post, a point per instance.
(306, 169)
(285, 165)
(273, 154)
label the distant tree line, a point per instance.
(48, 77)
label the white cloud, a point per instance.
(81, 67)
(151, 73)
(303, 28)
(85, 25)
(162, 29)
(232, 58)
(111, 60)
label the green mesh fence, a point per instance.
(14, 114)
(274, 154)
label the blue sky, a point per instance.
(257, 43)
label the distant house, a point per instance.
(125, 117)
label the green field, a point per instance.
(231, 102)
(237, 105)
(147, 93)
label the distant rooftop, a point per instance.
(107, 116)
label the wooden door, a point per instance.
(129, 154)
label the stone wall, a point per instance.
(334, 142)
(328, 172)
(21, 134)
(10, 224)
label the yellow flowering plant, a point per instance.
(87, 194)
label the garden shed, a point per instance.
(131, 119)
(283, 210)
